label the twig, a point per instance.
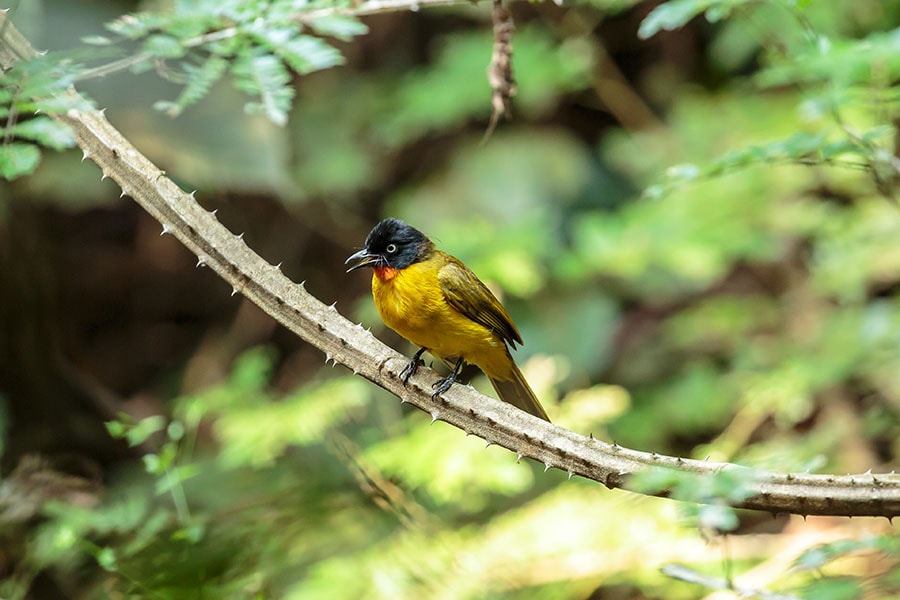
(500, 71)
(373, 7)
(720, 583)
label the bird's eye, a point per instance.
(391, 248)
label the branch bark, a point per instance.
(352, 346)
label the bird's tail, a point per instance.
(517, 392)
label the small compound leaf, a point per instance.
(265, 76)
(45, 131)
(340, 27)
(17, 159)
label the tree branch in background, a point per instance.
(351, 345)
(372, 7)
(500, 71)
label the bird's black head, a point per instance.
(392, 243)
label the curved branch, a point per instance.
(351, 345)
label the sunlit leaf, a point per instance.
(676, 13)
(45, 131)
(264, 75)
(17, 159)
(163, 46)
(343, 28)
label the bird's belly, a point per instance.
(414, 307)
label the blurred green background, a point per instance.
(694, 229)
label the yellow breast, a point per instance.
(412, 303)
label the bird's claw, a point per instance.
(442, 385)
(410, 369)
(411, 366)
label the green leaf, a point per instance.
(257, 434)
(54, 105)
(200, 80)
(151, 464)
(340, 27)
(46, 131)
(164, 46)
(167, 455)
(671, 15)
(137, 25)
(192, 534)
(677, 13)
(832, 588)
(840, 63)
(142, 431)
(265, 76)
(303, 53)
(817, 557)
(175, 477)
(717, 517)
(175, 431)
(106, 558)
(17, 159)
(116, 429)
(654, 480)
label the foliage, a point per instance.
(707, 498)
(258, 42)
(37, 86)
(677, 13)
(720, 281)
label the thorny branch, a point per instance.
(352, 346)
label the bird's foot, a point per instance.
(442, 385)
(411, 366)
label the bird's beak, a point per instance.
(363, 258)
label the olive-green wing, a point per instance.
(467, 294)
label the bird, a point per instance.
(436, 302)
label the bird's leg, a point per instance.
(442, 385)
(411, 367)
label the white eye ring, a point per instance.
(391, 248)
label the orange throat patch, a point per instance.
(386, 273)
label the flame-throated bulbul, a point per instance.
(436, 302)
